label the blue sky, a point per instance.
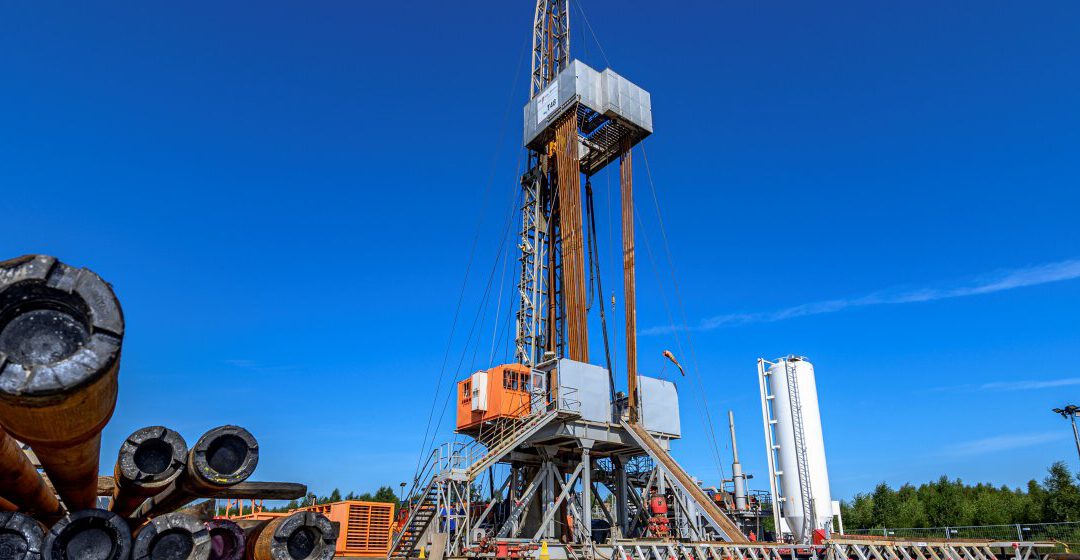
(286, 199)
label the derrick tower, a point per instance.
(552, 442)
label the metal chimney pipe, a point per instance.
(737, 476)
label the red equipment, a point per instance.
(658, 523)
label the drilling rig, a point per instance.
(585, 470)
(573, 445)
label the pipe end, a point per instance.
(152, 456)
(21, 538)
(173, 536)
(60, 327)
(225, 455)
(226, 540)
(304, 536)
(89, 534)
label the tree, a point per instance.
(1062, 502)
(951, 503)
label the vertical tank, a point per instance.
(788, 465)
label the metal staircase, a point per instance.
(504, 438)
(800, 452)
(420, 516)
(461, 464)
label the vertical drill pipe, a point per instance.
(303, 535)
(149, 461)
(626, 186)
(21, 538)
(61, 331)
(226, 540)
(570, 226)
(222, 457)
(20, 482)
(173, 536)
(90, 533)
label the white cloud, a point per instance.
(1031, 384)
(986, 284)
(1000, 443)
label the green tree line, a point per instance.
(383, 494)
(953, 503)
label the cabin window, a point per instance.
(466, 391)
(510, 380)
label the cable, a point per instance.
(681, 307)
(468, 262)
(589, 25)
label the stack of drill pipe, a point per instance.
(21, 537)
(173, 536)
(303, 535)
(61, 331)
(88, 534)
(149, 461)
(224, 456)
(226, 540)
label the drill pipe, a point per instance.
(149, 461)
(303, 535)
(89, 533)
(173, 536)
(21, 484)
(61, 331)
(226, 540)
(222, 457)
(21, 537)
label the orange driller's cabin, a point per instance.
(500, 392)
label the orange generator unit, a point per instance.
(500, 392)
(364, 527)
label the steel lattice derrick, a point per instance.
(551, 42)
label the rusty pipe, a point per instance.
(89, 533)
(21, 484)
(149, 461)
(21, 538)
(226, 540)
(303, 535)
(222, 457)
(61, 330)
(173, 536)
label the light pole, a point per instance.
(1070, 412)
(401, 494)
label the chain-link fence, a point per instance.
(1066, 534)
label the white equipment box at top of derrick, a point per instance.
(610, 109)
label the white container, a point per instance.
(787, 458)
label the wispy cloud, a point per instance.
(1029, 385)
(986, 284)
(997, 444)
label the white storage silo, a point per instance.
(789, 406)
